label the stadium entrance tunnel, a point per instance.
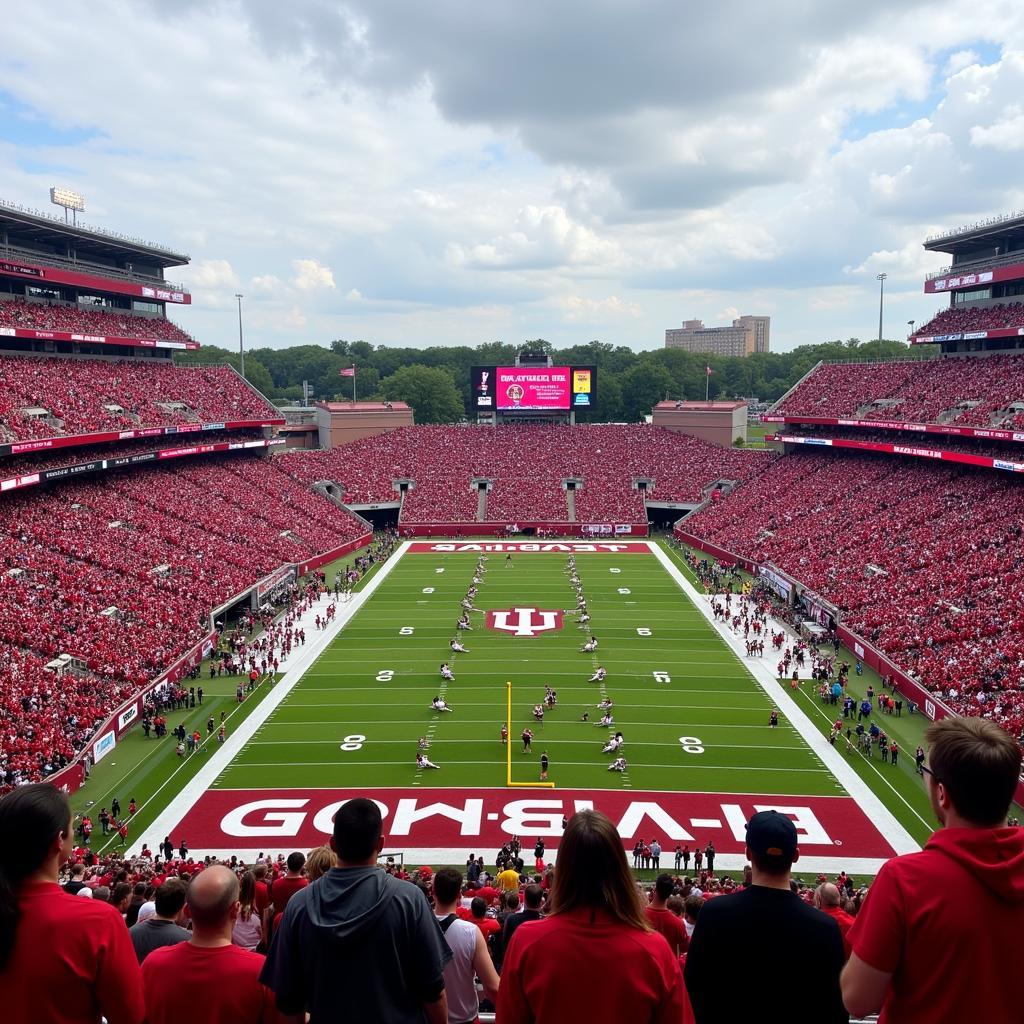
(663, 515)
(382, 516)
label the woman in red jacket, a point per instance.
(63, 959)
(594, 957)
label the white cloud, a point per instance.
(579, 309)
(310, 276)
(394, 168)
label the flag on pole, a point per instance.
(347, 371)
(708, 371)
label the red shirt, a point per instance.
(845, 922)
(486, 892)
(206, 985)
(947, 924)
(262, 900)
(670, 926)
(487, 925)
(73, 960)
(540, 978)
(283, 889)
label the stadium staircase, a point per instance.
(481, 505)
(570, 504)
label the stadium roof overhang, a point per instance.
(1010, 229)
(28, 227)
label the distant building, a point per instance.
(747, 335)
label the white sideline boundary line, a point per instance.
(880, 816)
(218, 762)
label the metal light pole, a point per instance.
(241, 346)
(881, 301)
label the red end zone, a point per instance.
(528, 547)
(250, 820)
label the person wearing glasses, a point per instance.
(917, 956)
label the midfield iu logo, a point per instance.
(524, 621)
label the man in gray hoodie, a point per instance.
(359, 944)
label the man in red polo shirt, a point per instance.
(914, 949)
(663, 920)
(208, 979)
(281, 890)
(827, 899)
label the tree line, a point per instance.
(435, 381)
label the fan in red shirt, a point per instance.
(596, 930)
(281, 890)
(63, 959)
(663, 920)
(942, 928)
(827, 898)
(478, 910)
(207, 980)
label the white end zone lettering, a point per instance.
(452, 820)
(528, 547)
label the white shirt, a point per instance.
(463, 1002)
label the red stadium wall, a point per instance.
(330, 556)
(126, 716)
(501, 529)
(929, 704)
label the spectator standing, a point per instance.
(709, 857)
(281, 890)
(247, 931)
(767, 928)
(359, 942)
(913, 944)
(207, 980)
(165, 927)
(534, 896)
(827, 899)
(63, 960)
(470, 957)
(663, 920)
(655, 855)
(596, 929)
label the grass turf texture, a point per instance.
(709, 695)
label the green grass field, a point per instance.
(352, 721)
(707, 695)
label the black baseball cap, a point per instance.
(770, 834)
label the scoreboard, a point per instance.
(511, 389)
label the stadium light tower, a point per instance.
(881, 302)
(241, 347)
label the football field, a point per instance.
(700, 756)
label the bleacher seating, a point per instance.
(87, 395)
(163, 547)
(36, 316)
(961, 320)
(923, 559)
(973, 391)
(527, 464)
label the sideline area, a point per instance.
(294, 668)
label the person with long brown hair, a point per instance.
(595, 956)
(63, 959)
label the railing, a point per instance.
(6, 204)
(80, 267)
(979, 264)
(1003, 218)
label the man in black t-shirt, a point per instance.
(788, 954)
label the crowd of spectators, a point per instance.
(122, 575)
(965, 319)
(528, 464)
(925, 561)
(75, 319)
(81, 396)
(975, 391)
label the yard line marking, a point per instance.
(497, 765)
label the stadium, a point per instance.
(214, 635)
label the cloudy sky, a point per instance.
(453, 173)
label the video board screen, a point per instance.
(533, 389)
